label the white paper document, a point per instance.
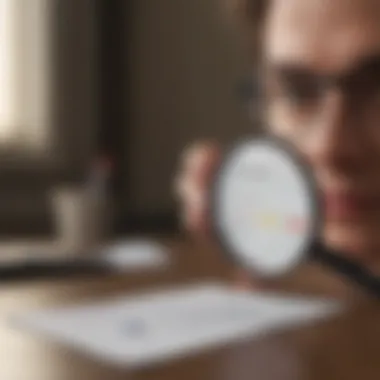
(140, 330)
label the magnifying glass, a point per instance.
(267, 213)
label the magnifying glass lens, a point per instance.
(264, 207)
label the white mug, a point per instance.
(80, 218)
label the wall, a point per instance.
(184, 65)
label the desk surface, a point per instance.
(345, 348)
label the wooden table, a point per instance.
(347, 347)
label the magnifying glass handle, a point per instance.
(348, 268)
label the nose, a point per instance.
(336, 143)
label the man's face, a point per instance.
(322, 78)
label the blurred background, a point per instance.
(105, 95)
(98, 99)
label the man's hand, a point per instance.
(196, 172)
(192, 185)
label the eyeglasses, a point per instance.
(303, 92)
(302, 87)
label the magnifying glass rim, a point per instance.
(305, 172)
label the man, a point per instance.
(319, 65)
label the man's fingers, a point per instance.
(192, 185)
(200, 162)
